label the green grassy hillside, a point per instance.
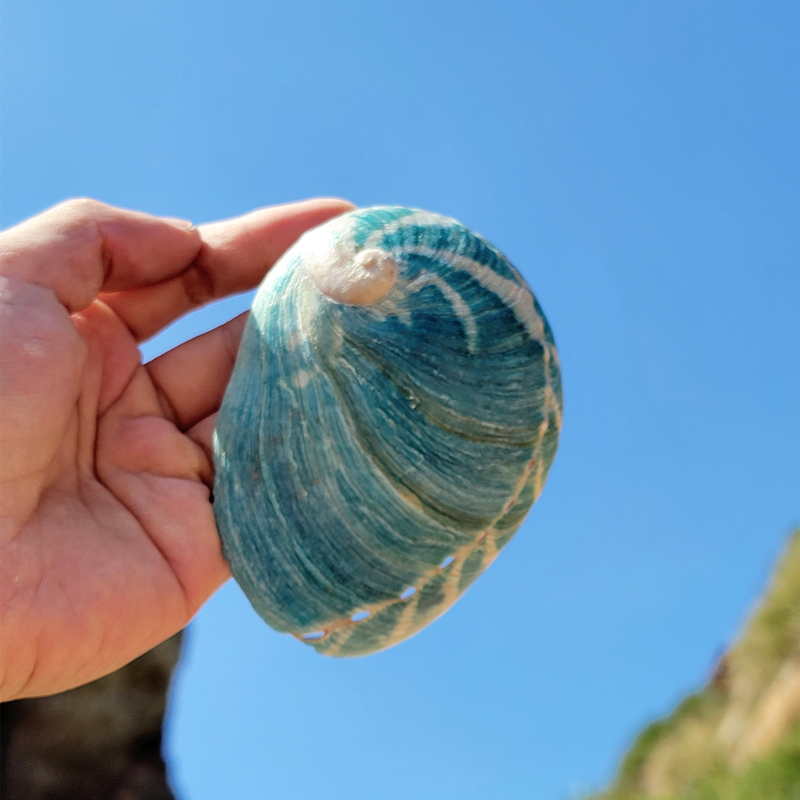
(738, 738)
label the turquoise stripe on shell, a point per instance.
(372, 459)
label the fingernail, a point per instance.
(183, 224)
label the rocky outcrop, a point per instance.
(101, 741)
(738, 738)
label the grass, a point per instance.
(705, 749)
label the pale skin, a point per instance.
(107, 538)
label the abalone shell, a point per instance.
(392, 416)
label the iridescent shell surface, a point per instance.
(392, 416)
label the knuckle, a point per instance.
(82, 218)
(81, 208)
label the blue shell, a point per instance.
(373, 456)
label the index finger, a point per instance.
(234, 257)
(82, 247)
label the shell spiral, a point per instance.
(392, 416)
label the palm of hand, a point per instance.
(108, 538)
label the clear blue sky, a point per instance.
(640, 163)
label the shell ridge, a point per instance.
(448, 419)
(365, 432)
(300, 567)
(512, 294)
(483, 545)
(244, 567)
(417, 218)
(361, 443)
(369, 442)
(332, 495)
(460, 308)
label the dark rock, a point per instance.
(101, 741)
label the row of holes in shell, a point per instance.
(360, 616)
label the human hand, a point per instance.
(107, 537)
